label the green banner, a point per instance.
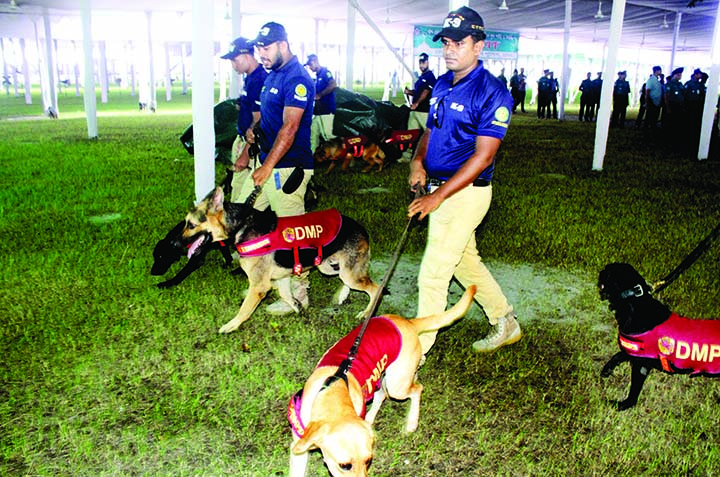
(499, 45)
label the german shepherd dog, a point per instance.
(348, 255)
(653, 337)
(345, 150)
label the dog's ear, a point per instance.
(218, 197)
(315, 432)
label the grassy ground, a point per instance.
(103, 374)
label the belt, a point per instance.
(476, 183)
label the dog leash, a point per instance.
(346, 364)
(688, 261)
(253, 196)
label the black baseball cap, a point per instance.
(239, 46)
(423, 57)
(311, 58)
(270, 33)
(460, 23)
(678, 70)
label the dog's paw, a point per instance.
(606, 371)
(411, 427)
(229, 327)
(166, 284)
(621, 405)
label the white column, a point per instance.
(152, 101)
(183, 58)
(676, 34)
(102, 72)
(712, 92)
(202, 98)
(89, 98)
(168, 79)
(350, 49)
(26, 73)
(52, 80)
(603, 118)
(565, 78)
(5, 65)
(236, 28)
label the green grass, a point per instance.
(103, 374)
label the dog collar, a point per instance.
(636, 291)
(293, 414)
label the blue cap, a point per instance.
(270, 33)
(239, 46)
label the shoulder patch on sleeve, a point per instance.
(502, 116)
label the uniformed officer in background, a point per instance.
(621, 99)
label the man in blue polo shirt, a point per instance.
(324, 110)
(286, 104)
(469, 116)
(244, 63)
(421, 93)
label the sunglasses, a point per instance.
(439, 113)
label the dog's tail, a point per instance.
(446, 318)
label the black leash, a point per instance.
(346, 364)
(688, 261)
(253, 196)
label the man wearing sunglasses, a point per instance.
(455, 159)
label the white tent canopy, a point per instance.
(668, 25)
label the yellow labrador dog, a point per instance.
(327, 414)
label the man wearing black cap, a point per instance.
(621, 99)
(543, 95)
(241, 55)
(469, 116)
(286, 104)
(324, 110)
(420, 104)
(421, 93)
(585, 99)
(674, 105)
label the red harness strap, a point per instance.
(309, 231)
(404, 139)
(355, 145)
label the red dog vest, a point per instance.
(380, 347)
(308, 231)
(355, 145)
(681, 342)
(404, 139)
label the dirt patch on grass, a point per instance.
(535, 291)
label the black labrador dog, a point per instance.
(651, 336)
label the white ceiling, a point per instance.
(535, 19)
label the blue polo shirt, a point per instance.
(426, 80)
(478, 105)
(249, 99)
(326, 104)
(290, 86)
